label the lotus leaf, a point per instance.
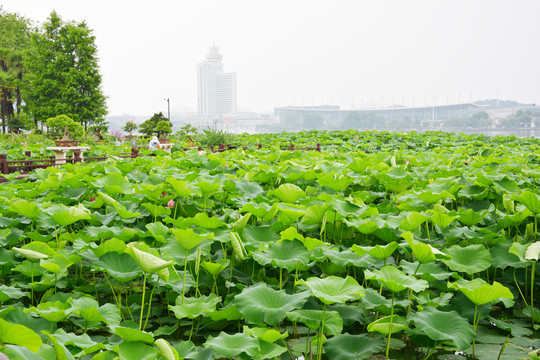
(286, 255)
(333, 323)
(19, 335)
(130, 350)
(388, 325)
(352, 347)
(147, 262)
(334, 289)
(288, 193)
(232, 345)
(469, 259)
(481, 292)
(194, 307)
(396, 280)
(262, 304)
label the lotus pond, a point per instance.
(382, 245)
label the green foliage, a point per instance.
(56, 126)
(63, 73)
(130, 127)
(214, 137)
(149, 127)
(163, 128)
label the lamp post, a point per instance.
(168, 108)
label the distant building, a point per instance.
(216, 89)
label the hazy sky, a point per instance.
(285, 52)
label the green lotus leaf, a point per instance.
(215, 268)
(259, 234)
(265, 334)
(261, 304)
(10, 292)
(130, 350)
(156, 210)
(19, 335)
(121, 209)
(65, 216)
(396, 280)
(57, 264)
(208, 189)
(286, 255)
(443, 326)
(232, 345)
(202, 220)
(412, 221)
(54, 311)
(533, 251)
(334, 289)
(427, 271)
(166, 350)
(195, 307)
(430, 197)
(352, 347)
(471, 217)
(333, 323)
(147, 262)
(82, 341)
(382, 325)
(181, 188)
(115, 183)
(25, 208)
(469, 259)
(188, 239)
(62, 353)
(335, 182)
(377, 251)
(266, 350)
(248, 189)
(442, 220)
(503, 258)
(366, 226)
(520, 250)
(481, 292)
(129, 334)
(230, 313)
(374, 300)
(343, 258)
(35, 251)
(263, 211)
(424, 253)
(288, 193)
(159, 231)
(122, 267)
(530, 200)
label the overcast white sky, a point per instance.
(285, 52)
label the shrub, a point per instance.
(56, 126)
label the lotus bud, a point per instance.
(170, 204)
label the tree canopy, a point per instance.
(149, 127)
(63, 74)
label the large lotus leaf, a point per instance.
(215, 268)
(260, 234)
(147, 262)
(129, 334)
(229, 313)
(62, 353)
(334, 289)
(266, 350)
(333, 323)
(57, 264)
(424, 253)
(261, 304)
(471, 217)
(366, 226)
(533, 251)
(53, 311)
(427, 271)
(263, 211)
(181, 187)
(194, 307)
(481, 292)
(347, 208)
(290, 212)
(412, 221)
(503, 258)
(248, 189)
(377, 251)
(232, 345)
(159, 231)
(343, 258)
(115, 183)
(288, 193)
(315, 214)
(25, 208)
(352, 347)
(469, 259)
(122, 267)
(111, 245)
(202, 220)
(10, 292)
(156, 210)
(82, 341)
(208, 189)
(241, 222)
(382, 325)
(374, 300)
(19, 335)
(65, 216)
(35, 251)
(188, 239)
(443, 326)
(130, 350)
(121, 209)
(286, 255)
(442, 220)
(396, 280)
(520, 250)
(335, 182)
(530, 200)
(265, 334)
(430, 197)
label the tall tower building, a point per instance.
(216, 89)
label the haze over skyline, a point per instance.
(345, 52)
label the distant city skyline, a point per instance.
(349, 53)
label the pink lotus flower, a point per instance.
(201, 153)
(170, 204)
(92, 199)
(226, 165)
(23, 144)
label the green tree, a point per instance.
(149, 127)
(16, 31)
(130, 127)
(58, 124)
(63, 74)
(163, 128)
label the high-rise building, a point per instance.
(216, 89)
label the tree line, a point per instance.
(48, 70)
